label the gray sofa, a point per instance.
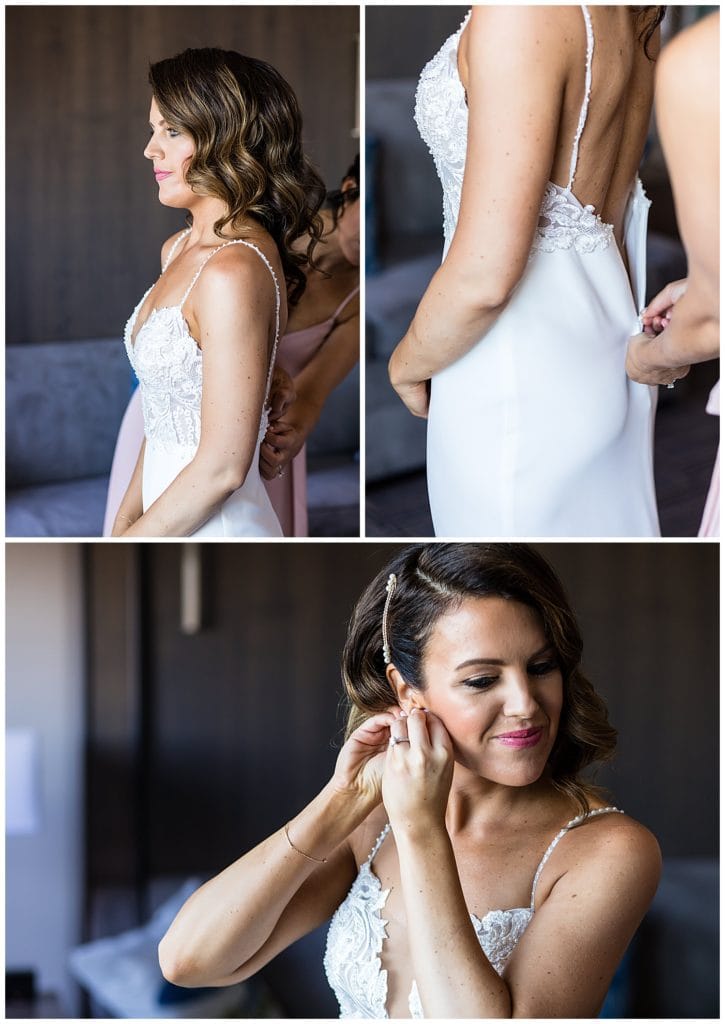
(63, 406)
(64, 402)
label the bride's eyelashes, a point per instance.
(543, 668)
(538, 670)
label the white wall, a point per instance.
(44, 692)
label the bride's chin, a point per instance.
(520, 774)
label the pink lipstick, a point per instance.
(522, 737)
(160, 175)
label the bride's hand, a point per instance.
(418, 773)
(415, 394)
(360, 763)
(415, 397)
(658, 313)
(642, 363)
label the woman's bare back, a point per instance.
(620, 104)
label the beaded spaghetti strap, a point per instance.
(587, 93)
(249, 245)
(378, 843)
(579, 820)
(173, 250)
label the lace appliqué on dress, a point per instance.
(354, 943)
(565, 224)
(441, 115)
(357, 932)
(167, 361)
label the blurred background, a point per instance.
(170, 705)
(404, 239)
(85, 229)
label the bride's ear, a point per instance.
(406, 695)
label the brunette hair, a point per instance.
(649, 18)
(432, 579)
(336, 200)
(246, 126)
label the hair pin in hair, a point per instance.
(389, 587)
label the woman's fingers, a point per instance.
(375, 725)
(418, 729)
(439, 735)
(665, 299)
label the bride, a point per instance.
(536, 118)
(469, 868)
(226, 146)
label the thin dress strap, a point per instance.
(173, 250)
(574, 823)
(587, 93)
(378, 843)
(345, 301)
(249, 245)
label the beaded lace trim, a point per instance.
(168, 363)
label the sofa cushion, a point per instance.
(63, 406)
(71, 509)
(391, 300)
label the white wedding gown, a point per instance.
(168, 363)
(537, 431)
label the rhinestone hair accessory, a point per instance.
(389, 587)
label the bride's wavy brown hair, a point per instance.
(246, 126)
(435, 578)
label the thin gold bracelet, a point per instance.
(297, 850)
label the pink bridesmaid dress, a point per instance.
(287, 493)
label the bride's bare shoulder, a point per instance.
(521, 39)
(512, 24)
(616, 840)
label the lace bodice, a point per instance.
(168, 364)
(357, 933)
(441, 114)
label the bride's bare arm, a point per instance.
(233, 303)
(239, 920)
(516, 76)
(131, 507)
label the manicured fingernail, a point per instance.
(403, 714)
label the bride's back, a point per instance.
(620, 103)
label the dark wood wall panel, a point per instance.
(114, 715)
(245, 713)
(649, 617)
(84, 227)
(418, 34)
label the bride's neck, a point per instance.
(206, 211)
(476, 803)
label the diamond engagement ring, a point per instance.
(394, 740)
(670, 386)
